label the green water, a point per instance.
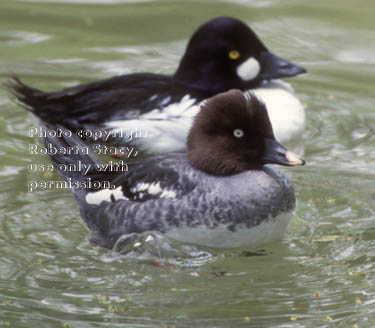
(322, 274)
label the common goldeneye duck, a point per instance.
(219, 194)
(155, 112)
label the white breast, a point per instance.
(284, 109)
(268, 231)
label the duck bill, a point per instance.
(275, 153)
(275, 67)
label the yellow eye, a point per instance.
(234, 54)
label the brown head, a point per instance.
(232, 134)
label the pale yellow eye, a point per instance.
(238, 133)
(234, 54)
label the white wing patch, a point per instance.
(105, 195)
(285, 111)
(154, 188)
(152, 98)
(166, 129)
(165, 101)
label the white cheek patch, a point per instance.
(249, 69)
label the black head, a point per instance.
(225, 53)
(232, 134)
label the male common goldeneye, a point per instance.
(154, 112)
(219, 194)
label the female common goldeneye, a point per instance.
(154, 112)
(218, 194)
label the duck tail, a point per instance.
(42, 104)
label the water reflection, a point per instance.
(360, 56)
(88, 1)
(21, 37)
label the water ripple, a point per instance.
(88, 1)
(21, 37)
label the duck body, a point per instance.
(222, 54)
(246, 209)
(153, 105)
(220, 193)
